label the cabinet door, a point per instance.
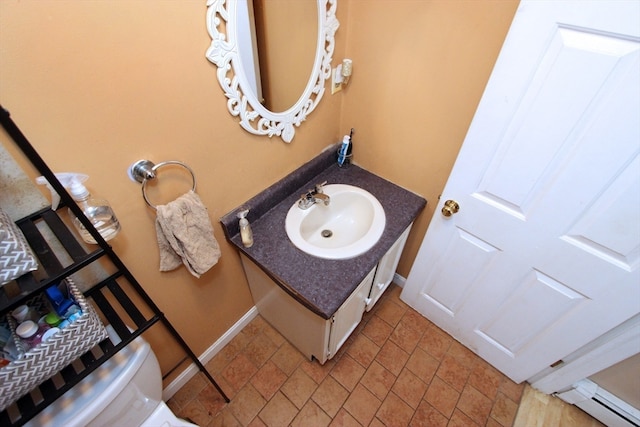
(349, 315)
(387, 269)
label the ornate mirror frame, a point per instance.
(241, 101)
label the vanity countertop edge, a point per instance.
(322, 285)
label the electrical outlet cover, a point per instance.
(335, 87)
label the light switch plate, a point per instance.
(336, 80)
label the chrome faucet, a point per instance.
(313, 196)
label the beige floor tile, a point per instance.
(317, 371)
(363, 350)
(268, 380)
(390, 312)
(299, 388)
(377, 330)
(405, 336)
(459, 419)
(224, 419)
(396, 369)
(435, 342)
(462, 353)
(189, 391)
(344, 419)
(239, 371)
(512, 390)
(362, 405)
(246, 404)
(394, 412)
(453, 372)
(278, 412)
(378, 380)
(392, 357)
(428, 416)
(423, 365)
(485, 378)
(442, 396)
(409, 388)
(260, 349)
(196, 412)
(416, 321)
(504, 410)
(287, 358)
(330, 396)
(311, 415)
(211, 400)
(475, 405)
(347, 372)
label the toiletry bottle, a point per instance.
(30, 333)
(245, 229)
(58, 301)
(346, 149)
(97, 210)
(23, 313)
(342, 153)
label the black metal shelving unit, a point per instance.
(61, 255)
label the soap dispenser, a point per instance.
(97, 211)
(245, 229)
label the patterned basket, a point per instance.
(46, 359)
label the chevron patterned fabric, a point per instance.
(47, 358)
(16, 257)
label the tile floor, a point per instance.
(397, 369)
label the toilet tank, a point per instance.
(123, 391)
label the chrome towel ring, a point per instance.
(145, 170)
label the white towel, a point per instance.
(185, 235)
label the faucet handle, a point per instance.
(319, 187)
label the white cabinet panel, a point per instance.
(387, 269)
(349, 315)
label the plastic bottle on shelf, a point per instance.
(23, 313)
(98, 211)
(30, 333)
(58, 301)
(50, 319)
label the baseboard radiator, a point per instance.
(601, 405)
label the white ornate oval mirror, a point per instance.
(236, 70)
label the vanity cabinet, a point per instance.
(386, 270)
(349, 315)
(310, 333)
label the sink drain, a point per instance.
(326, 233)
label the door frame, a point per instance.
(610, 348)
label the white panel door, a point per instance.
(544, 253)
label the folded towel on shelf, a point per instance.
(16, 257)
(185, 235)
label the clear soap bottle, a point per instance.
(97, 210)
(245, 229)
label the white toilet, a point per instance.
(124, 391)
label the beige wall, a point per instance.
(419, 70)
(96, 85)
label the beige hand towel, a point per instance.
(185, 235)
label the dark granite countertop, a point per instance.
(322, 285)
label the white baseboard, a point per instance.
(209, 353)
(399, 280)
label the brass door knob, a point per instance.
(450, 207)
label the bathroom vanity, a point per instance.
(315, 302)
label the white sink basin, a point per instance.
(349, 226)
